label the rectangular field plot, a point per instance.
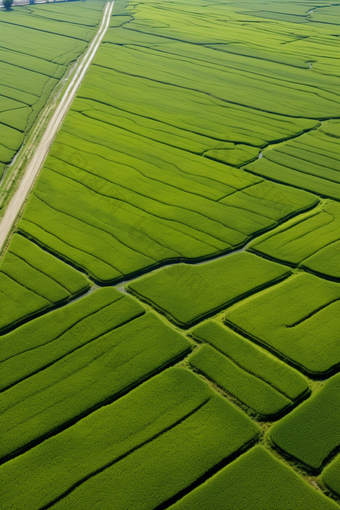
(312, 242)
(310, 162)
(297, 319)
(111, 435)
(259, 481)
(43, 341)
(90, 376)
(174, 460)
(253, 359)
(188, 293)
(311, 432)
(330, 475)
(35, 280)
(263, 400)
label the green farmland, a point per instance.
(37, 44)
(170, 290)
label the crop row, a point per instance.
(296, 319)
(310, 162)
(310, 433)
(36, 48)
(311, 242)
(164, 205)
(34, 279)
(94, 373)
(43, 341)
(188, 293)
(255, 377)
(259, 481)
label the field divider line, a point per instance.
(47, 139)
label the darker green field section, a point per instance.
(94, 374)
(330, 476)
(312, 243)
(296, 319)
(167, 414)
(33, 281)
(311, 432)
(188, 293)
(43, 341)
(258, 481)
(37, 44)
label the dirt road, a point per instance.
(43, 148)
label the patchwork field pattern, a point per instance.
(302, 433)
(37, 43)
(169, 338)
(311, 243)
(33, 281)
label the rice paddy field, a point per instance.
(170, 294)
(37, 45)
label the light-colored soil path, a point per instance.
(43, 148)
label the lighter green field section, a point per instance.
(297, 319)
(258, 481)
(43, 341)
(313, 242)
(90, 376)
(311, 432)
(187, 294)
(330, 475)
(172, 462)
(37, 44)
(257, 395)
(114, 432)
(33, 281)
(310, 162)
(253, 359)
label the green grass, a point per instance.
(87, 378)
(250, 390)
(36, 280)
(311, 242)
(168, 464)
(188, 293)
(253, 359)
(259, 481)
(45, 340)
(310, 433)
(296, 319)
(330, 475)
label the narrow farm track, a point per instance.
(54, 125)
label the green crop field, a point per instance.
(253, 359)
(311, 432)
(312, 243)
(295, 319)
(36, 280)
(188, 293)
(330, 475)
(170, 290)
(37, 43)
